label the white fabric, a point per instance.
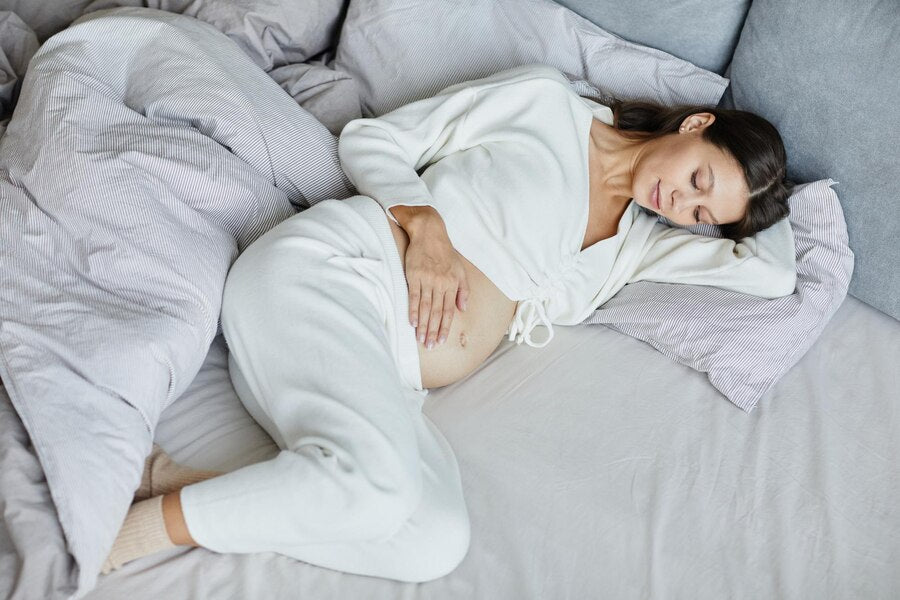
(504, 160)
(324, 358)
(614, 472)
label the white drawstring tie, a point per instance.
(529, 314)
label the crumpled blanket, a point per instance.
(145, 152)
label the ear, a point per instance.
(697, 122)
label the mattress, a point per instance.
(598, 468)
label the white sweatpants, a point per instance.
(323, 356)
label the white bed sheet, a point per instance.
(598, 468)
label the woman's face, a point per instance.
(698, 182)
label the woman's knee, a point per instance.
(381, 489)
(443, 544)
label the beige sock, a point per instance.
(162, 475)
(142, 533)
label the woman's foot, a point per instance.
(163, 476)
(143, 532)
(150, 526)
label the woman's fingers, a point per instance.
(414, 294)
(435, 315)
(434, 320)
(447, 316)
(424, 314)
(462, 294)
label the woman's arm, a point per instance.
(383, 156)
(762, 265)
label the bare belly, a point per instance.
(474, 334)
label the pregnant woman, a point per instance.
(495, 206)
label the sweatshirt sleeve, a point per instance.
(382, 155)
(762, 265)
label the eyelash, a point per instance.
(693, 182)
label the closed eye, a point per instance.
(694, 183)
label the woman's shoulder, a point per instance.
(538, 73)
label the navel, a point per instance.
(462, 339)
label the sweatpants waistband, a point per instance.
(408, 359)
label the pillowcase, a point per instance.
(827, 74)
(400, 51)
(704, 32)
(746, 343)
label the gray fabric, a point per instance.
(598, 468)
(746, 343)
(703, 32)
(123, 202)
(17, 45)
(291, 41)
(399, 51)
(34, 562)
(271, 32)
(330, 95)
(827, 74)
(45, 17)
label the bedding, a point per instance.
(614, 457)
(399, 51)
(17, 45)
(124, 201)
(703, 32)
(635, 482)
(746, 343)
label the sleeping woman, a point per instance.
(496, 206)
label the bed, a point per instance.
(597, 467)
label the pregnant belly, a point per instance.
(474, 334)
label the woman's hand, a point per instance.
(434, 273)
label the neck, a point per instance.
(615, 159)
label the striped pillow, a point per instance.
(398, 53)
(746, 343)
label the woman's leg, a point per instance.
(364, 482)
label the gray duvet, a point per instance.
(145, 152)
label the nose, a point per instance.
(684, 202)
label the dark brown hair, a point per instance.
(753, 141)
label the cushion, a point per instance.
(703, 32)
(831, 88)
(746, 343)
(399, 51)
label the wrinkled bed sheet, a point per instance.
(637, 481)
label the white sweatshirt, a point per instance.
(505, 162)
